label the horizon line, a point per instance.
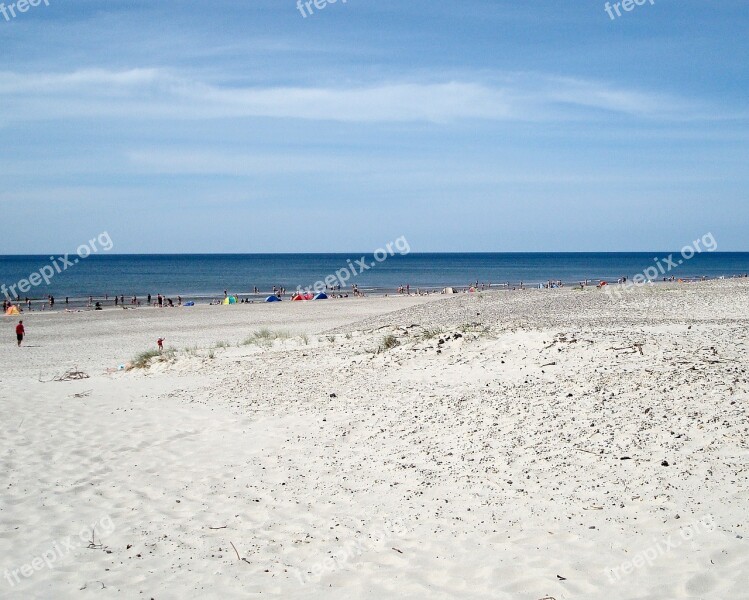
(348, 252)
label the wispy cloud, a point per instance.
(155, 93)
(201, 162)
(407, 171)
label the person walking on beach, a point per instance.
(20, 332)
(160, 343)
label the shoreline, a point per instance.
(78, 304)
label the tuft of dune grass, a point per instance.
(388, 342)
(144, 359)
(264, 337)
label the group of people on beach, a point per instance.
(162, 301)
(27, 302)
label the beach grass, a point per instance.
(430, 332)
(264, 337)
(389, 342)
(478, 328)
(144, 359)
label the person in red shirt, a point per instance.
(160, 342)
(20, 332)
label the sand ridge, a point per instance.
(530, 445)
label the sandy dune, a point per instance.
(508, 445)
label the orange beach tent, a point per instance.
(12, 311)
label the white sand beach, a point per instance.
(543, 444)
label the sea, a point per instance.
(205, 277)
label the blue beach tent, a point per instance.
(273, 299)
(321, 296)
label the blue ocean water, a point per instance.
(205, 276)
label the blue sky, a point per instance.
(193, 126)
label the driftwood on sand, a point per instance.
(70, 375)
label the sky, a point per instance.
(480, 125)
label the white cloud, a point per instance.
(158, 94)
